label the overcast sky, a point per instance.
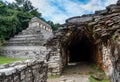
(59, 10)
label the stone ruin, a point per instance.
(30, 42)
(27, 44)
(92, 38)
(24, 71)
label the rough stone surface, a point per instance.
(102, 29)
(24, 71)
(30, 42)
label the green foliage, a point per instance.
(6, 60)
(97, 68)
(91, 79)
(99, 72)
(94, 66)
(113, 37)
(54, 26)
(53, 76)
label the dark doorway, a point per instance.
(80, 50)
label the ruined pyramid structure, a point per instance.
(30, 42)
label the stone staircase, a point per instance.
(28, 37)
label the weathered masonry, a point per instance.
(24, 71)
(35, 22)
(92, 38)
(30, 42)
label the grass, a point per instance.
(94, 66)
(53, 76)
(97, 69)
(6, 60)
(93, 80)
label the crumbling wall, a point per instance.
(110, 60)
(25, 71)
(103, 30)
(54, 62)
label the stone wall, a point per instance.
(111, 60)
(25, 71)
(54, 62)
(35, 52)
(36, 22)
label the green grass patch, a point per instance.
(99, 71)
(91, 79)
(53, 76)
(6, 60)
(95, 67)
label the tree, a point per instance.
(26, 6)
(14, 18)
(54, 26)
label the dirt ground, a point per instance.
(74, 72)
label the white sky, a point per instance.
(59, 10)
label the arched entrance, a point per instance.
(75, 45)
(80, 50)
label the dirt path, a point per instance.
(75, 72)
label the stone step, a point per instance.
(27, 42)
(42, 48)
(25, 51)
(33, 29)
(26, 39)
(28, 36)
(25, 54)
(24, 44)
(30, 33)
